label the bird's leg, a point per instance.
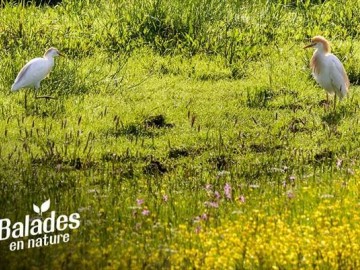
(327, 98)
(46, 97)
(25, 100)
(36, 96)
(335, 102)
(326, 103)
(36, 90)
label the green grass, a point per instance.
(162, 98)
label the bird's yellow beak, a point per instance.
(61, 54)
(309, 46)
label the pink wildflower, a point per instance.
(145, 212)
(217, 195)
(290, 194)
(139, 201)
(227, 191)
(242, 199)
(212, 204)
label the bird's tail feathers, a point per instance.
(14, 87)
(343, 92)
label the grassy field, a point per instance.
(187, 135)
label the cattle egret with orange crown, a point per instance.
(327, 69)
(35, 71)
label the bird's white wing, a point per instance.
(32, 73)
(338, 76)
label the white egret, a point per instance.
(327, 69)
(35, 71)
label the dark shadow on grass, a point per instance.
(61, 164)
(45, 108)
(154, 167)
(291, 106)
(324, 155)
(333, 118)
(151, 126)
(157, 121)
(222, 162)
(179, 152)
(260, 98)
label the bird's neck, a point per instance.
(317, 61)
(50, 59)
(324, 50)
